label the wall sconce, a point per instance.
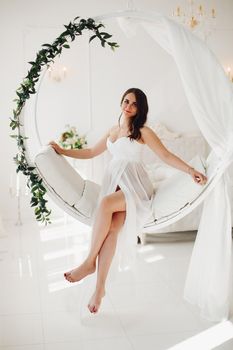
(229, 73)
(57, 72)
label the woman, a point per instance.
(126, 195)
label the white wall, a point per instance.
(25, 25)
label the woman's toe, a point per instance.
(68, 276)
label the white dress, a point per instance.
(126, 170)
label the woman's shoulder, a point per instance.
(146, 130)
(147, 134)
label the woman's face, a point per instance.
(129, 105)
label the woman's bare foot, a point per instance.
(80, 272)
(95, 300)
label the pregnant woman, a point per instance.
(126, 194)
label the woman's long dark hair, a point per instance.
(137, 122)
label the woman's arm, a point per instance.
(85, 153)
(150, 138)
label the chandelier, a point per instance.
(196, 16)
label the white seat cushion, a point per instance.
(177, 190)
(60, 175)
(88, 202)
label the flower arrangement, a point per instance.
(70, 139)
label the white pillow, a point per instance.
(176, 191)
(158, 171)
(163, 132)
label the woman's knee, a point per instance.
(114, 202)
(105, 203)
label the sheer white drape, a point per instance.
(210, 97)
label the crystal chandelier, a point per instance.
(196, 16)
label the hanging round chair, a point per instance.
(75, 195)
(210, 97)
(78, 197)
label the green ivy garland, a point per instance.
(44, 57)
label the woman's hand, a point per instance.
(199, 178)
(56, 147)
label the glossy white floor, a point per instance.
(143, 307)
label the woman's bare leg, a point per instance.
(110, 204)
(104, 260)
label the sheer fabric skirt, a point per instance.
(138, 190)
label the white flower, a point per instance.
(73, 130)
(69, 142)
(75, 140)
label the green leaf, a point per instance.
(19, 94)
(66, 46)
(92, 37)
(105, 35)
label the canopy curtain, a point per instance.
(210, 97)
